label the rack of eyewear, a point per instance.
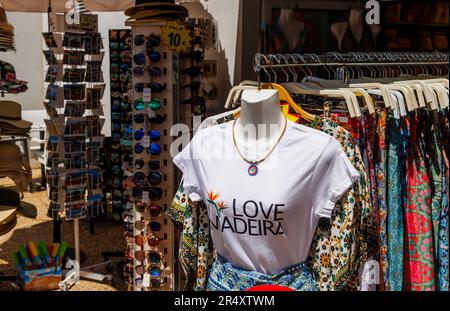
(120, 45)
(273, 67)
(150, 186)
(73, 102)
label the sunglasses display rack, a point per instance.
(198, 75)
(74, 141)
(150, 244)
(121, 154)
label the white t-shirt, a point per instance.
(266, 222)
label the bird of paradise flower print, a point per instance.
(219, 206)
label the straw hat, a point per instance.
(11, 113)
(8, 218)
(155, 9)
(10, 157)
(6, 31)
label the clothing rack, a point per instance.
(334, 59)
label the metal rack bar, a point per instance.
(352, 59)
(352, 64)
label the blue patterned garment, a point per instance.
(443, 252)
(396, 193)
(443, 235)
(225, 277)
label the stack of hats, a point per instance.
(8, 210)
(13, 165)
(155, 10)
(6, 32)
(8, 81)
(11, 123)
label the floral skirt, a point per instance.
(225, 277)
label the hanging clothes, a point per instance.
(342, 245)
(397, 137)
(419, 257)
(380, 170)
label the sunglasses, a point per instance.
(152, 40)
(141, 240)
(153, 134)
(155, 87)
(154, 165)
(156, 210)
(139, 179)
(154, 193)
(154, 178)
(139, 58)
(140, 225)
(155, 104)
(154, 71)
(140, 118)
(154, 149)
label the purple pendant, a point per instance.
(253, 170)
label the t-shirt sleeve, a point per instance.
(332, 177)
(189, 164)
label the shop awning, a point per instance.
(59, 6)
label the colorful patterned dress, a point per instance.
(419, 257)
(396, 194)
(343, 243)
(380, 169)
(443, 253)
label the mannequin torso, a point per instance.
(290, 28)
(260, 123)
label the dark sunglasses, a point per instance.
(153, 134)
(155, 87)
(157, 119)
(154, 149)
(139, 179)
(139, 58)
(154, 165)
(154, 178)
(154, 193)
(156, 210)
(152, 40)
(154, 71)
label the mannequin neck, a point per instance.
(261, 121)
(356, 23)
(260, 108)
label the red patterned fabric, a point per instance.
(419, 257)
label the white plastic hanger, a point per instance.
(416, 89)
(439, 80)
(411, 103)
(231, 95)
(441, 94)
(384, 91)
(367, 98)
(350, 100)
